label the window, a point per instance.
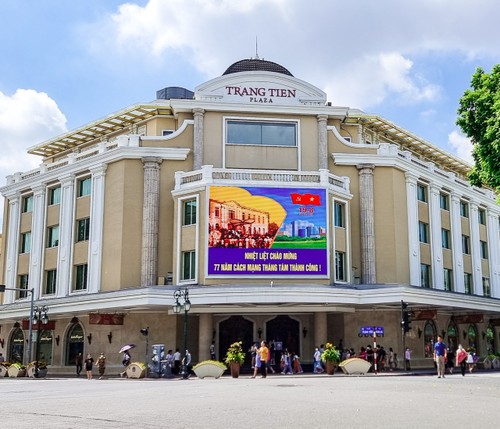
(50, 282)
(83, 229)
(486, 287)
(430, 335)
(468, 283)
(81, 277)
(483, 248)
(444, 201)
(188, 265)
(23, 283)
(464, 209)
(445, 238)
(55, 196)
(425, 275)
(339, 215)
(422, 193)
(189, 217)
(84, 187)
(448, 279)
(423, 232)
(27, 204)
(262, 133)
(340, 267)
(481, 213)
(26, 242)
(465, 244)
(53, 236)
(166, 132)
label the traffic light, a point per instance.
(405, 317)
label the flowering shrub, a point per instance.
(235, 353)
(330, 353)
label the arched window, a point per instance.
(74, 343)
(16, 350)
(490, 340)
(46, 347)
(430, 335)
(472, 334)
(452, 339)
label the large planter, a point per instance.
(136, 370)
(487, 364)
(30, 372)
(355, 366)
(16, 371)
(495, 363)
(235, 369)
(330, 367)
(209, 369)
(3, 371)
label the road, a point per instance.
(303, 401)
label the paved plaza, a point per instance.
(304, 401)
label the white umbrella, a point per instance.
(126, 347)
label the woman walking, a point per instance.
(89, 363)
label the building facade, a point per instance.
(286, 217)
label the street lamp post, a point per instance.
(145, 332)
(39, 317)
(31, 291)
(178, 307)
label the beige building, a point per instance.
(329, 219)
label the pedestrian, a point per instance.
(256, 367)
(212, 350)
(470, 360)
(440, 354)
(317, 368)
(286, 364)
(169, 361)
(264, 356)
(79, 364)
(270, 362)
(391, 359)
(450, 359)
(461, 359)
(177, 362)
(125, 362)
(2, 359)
(408, 358)
(101, 365)
(297, 367)
(89, 363)
(369, 355)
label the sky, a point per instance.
(66, 63)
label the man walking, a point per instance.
(440, 355)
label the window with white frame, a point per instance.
(27, 204)
(189, 212)
(423, 232)
(50, 282)
(481, 214)
(421, 193)
(448, 279)
(84, 187)
(468, 283)
(486, 287)
(261, 133)
(22, 283)
(81, 274)
(25, 242)
(465, 244)
(339, 210)
(444, 201)
(54, 196)
(445, 238)
(83, 229)
(464, 209)
(340, 273)
(425, 276)
(53, 236)
(483, 248)
(188, 268)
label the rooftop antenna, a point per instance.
(256, 49)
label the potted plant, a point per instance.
(235, 356)
(42, 369)
(209, 368)
(17, 370)
(4, 367)
(331, 356)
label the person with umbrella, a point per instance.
(126, 357)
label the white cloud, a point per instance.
(462, 145)
(26, 118)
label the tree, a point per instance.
(479, 119)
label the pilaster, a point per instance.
(436, 239)
(322, 142)
(456, 242)
(205, 336)
(477, 272)
(368, 270)
(198, 138)
(413, 241)
(37, 235)
(66, 216)
(12, 250)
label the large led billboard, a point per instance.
(267, 231)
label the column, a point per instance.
(12, 249)
(436, 239)
(477, 272)
(322, 143)
(37, 235)
(413, 241)
(368, 271)
(198, 138)
(96, 229)
(150, 213)
(456, 243)
(205, 336)
(494, 251)
(320, 331)
(66, 216)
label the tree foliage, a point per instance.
(479, 119)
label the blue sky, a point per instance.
(66, 63)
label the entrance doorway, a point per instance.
(236, 328)
(284, 332)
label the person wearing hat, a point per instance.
(101, 365)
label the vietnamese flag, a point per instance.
(306, 199)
